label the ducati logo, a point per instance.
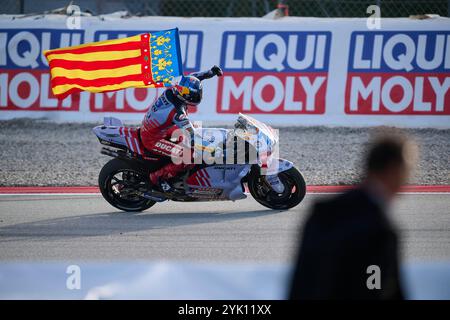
(164, 146)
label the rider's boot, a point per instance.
(159, 178)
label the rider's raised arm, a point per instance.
(202, 75)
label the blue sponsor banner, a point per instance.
(394, 51)
(286, 51)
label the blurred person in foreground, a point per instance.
(346, 234)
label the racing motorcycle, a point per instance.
(245, 158)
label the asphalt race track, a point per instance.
(85, 227)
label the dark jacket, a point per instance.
(341, 238)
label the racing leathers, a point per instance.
(167, 114)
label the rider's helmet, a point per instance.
(189, 90)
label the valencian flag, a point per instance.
(147, 60)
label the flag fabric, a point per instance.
(142, 61)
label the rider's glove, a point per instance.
(217, 71)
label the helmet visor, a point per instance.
(195, 96)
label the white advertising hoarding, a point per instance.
(290, 71)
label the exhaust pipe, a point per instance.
(109, 152)
(150, 197)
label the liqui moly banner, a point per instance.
(276, 72)
(24, 75)
(290, 71)
(394, 73)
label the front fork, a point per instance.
(272, 171)
(275, 183)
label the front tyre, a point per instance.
(293, 194)
(120, 181)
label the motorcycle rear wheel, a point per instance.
(118, 181)
(293, 194)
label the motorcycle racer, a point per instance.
(168, 113)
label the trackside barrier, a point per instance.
(290, 71)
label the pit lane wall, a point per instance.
(290, 71)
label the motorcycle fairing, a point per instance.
(276, 166)
(120, 137)
(112, 122)
(206, 182)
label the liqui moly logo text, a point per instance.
(140, 99)
(399, 73)
(274, 72)
(24, 73)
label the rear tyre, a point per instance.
(293, 194)
(119, 182)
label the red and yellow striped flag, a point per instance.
(146, 60)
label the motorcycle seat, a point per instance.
(134, 142)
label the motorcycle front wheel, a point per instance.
(293, 194)
(119, 182)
